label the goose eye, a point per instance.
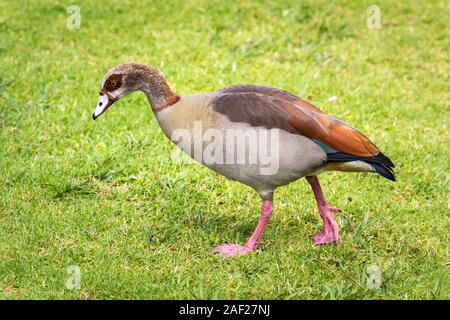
(113, 83)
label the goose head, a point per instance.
(126, 78)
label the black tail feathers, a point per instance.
(382, 164)
(384, 171)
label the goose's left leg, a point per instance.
(329, 233)
(229, 250)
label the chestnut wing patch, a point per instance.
(259, 109)
(262, 110)
(273, 92)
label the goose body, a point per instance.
(299, 156)
(260, 136)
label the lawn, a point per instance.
(104, 201)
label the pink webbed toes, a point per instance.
(324, 238)
(330, 231)
(232, 250)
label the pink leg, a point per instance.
(229, 250)
(329, 234)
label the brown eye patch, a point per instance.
(113, 82)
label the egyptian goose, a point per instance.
(307, 140)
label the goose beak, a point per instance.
(104, 102)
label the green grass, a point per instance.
(106, 196)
